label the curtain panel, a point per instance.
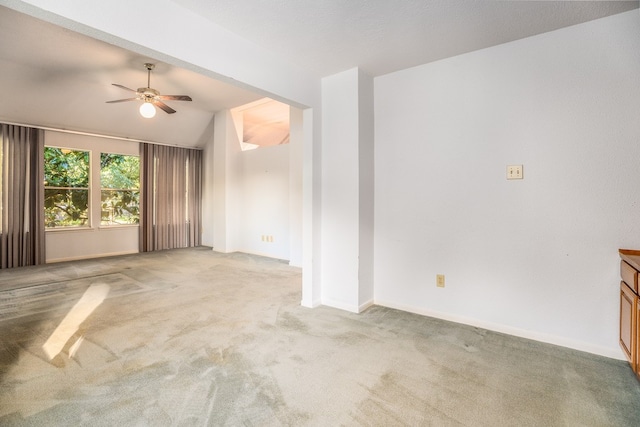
(170, 199)
(22, 240)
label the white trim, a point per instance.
(340, 305)
(116, 226)
(102, 255)
(522, 333)
(96, 135)
(313, 304)
(70, 228)
(365, 306)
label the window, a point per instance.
(120, 189)
(66, 187)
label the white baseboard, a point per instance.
(311, 304)
(295, 264)
(347, 307)
(341, 305)
(522, 333)
(364, 306)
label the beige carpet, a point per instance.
(195, 338)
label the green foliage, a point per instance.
(120, 182)
(120, 207)
(67, 188)
(118, 171)
(66, 168)
(67, 205)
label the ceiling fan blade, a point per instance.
(123, 87)
(122, 100)
(164, 107)
(174, 97)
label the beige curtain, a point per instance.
(170, 200)
(22, 201)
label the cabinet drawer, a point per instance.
(629, 276)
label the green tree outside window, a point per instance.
(120, 189)
(66, 192)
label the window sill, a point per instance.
(71, 229)
(115, 227)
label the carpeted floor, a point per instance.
(194, 338)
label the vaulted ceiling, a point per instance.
(57, 78)
(54, 77)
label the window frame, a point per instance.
(102, 189)
(89, 211)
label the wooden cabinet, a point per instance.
(628, 322)
(630, 307)
(636, 363)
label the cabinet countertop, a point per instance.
(632, 257)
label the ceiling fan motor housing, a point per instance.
(147, 93)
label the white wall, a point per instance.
(296, 171)
(93, 241)
(366, 181)
(537, 257)
(223, 190)
(248, 194)
(340, 190)
(208, 206)
(347, 190)
(264, 201)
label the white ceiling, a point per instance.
(54, 77)
(382, 36)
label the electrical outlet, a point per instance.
(514, 172)
(440, 280)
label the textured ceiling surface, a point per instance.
(382, 36)
(58, 78)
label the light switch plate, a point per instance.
(514, 172)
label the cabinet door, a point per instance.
(636, 340)
(628, 329)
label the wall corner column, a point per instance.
(347, 190)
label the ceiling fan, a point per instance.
(151, 97)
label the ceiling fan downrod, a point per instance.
(149, 67)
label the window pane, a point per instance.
(120, 207)
(118, 171)
(120, 182)
(66, 168)
(66, 180)
(66, 207)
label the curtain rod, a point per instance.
(97, 135)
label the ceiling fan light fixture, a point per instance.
(151, 98)
(147, 110)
